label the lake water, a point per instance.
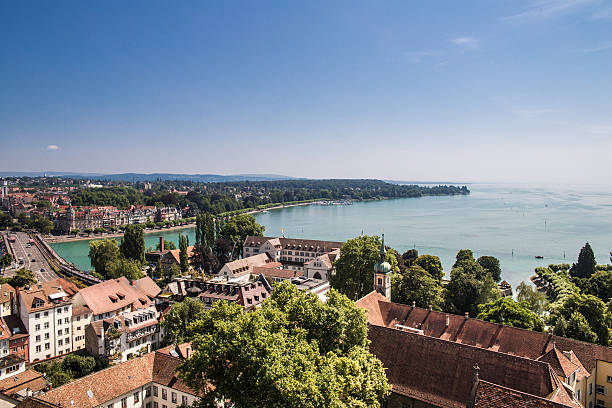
(511, 222)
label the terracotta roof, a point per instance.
(7, 292)
(492, 395)
(113, 294)
(440, 372)
(147, 286)
(42, 291)
(28, 379)
(176, 253)
(80, 310)
(559, 362)
(246, 265)
(295, 243)
(492, 336)
(105, 385)
(276, 273)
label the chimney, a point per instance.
(467, 315)
(447, 320)
(161, 244)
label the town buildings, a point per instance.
(312, 257)
(461, 361)
(249, 291)
(46, 312)
(149, 381)
(7, 300)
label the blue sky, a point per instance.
(433, 90)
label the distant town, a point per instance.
(141, 327)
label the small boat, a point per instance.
(539, 257)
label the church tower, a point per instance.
(382, 273)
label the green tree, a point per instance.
(5, 220)
(511, 313)
(469, 286)
(168, 246)
(23, 277)
(132, 244)
(585, 267)
(432, 265)
(239, 227)
(184, 252)
(599, 284)
(576, 327)
(355, 268)
(180, 316)
(102, 253)
(463, 255)
(593, 310)
(121, 266)
(535, 300)
(79, 366)
(292, 352)
(415, 284)
(6, 260)
(410, 256)
(43, 225)
(491, 264)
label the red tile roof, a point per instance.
(492, 395)
(441, 372)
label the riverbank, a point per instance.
(157, 230)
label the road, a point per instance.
(32, 258)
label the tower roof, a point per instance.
(382, 266)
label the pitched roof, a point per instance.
(147, 286)
(7, 292)
(276, 273)
(176, 253)
(15, 326)
(113, 294)
(28, 379)
(492, 395)
(559, 362)
(42, 291)
(440, 372)
(295, 243)
(246, 265)
(492, 336)
(110, 383)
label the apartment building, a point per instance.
(46, 312)
(150, 381)
(17, 336)
(312, 257)
(116, 296)
(81, 318)
(125, 336)
(247, 265)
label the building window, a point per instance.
(38, 349)
(578, 395)
(59, 322)
(590, 388)
(46, 336)
(47, 346)
(173, 397)
(184, 400)
(37, 338)
(37, 327)
(46, 314)
(67, 320)
(66, 309)
(155, 390)
(46, 325)
(610, 378)
(37, 316)
(148, 392)
(600, 389)
(136, 397)
(148, 405)
(164, 394)
(60, 343)
(124, 402)
(66, 330)
(109, 406)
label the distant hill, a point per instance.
(202, 178)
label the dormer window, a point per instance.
(113, 299)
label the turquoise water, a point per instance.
(511, 222)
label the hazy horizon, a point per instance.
(507, 91)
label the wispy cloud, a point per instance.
(528, 113)
(603, 14)
(53, 147)
(602, 47)
(465, 41)
(600, 130)
(547, 8)
(416, 57)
